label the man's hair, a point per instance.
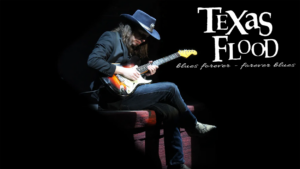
(126, 31)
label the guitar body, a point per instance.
(123, 86)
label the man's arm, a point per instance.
(100, 54)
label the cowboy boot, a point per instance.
(200, 130)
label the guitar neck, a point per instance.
(143, 69)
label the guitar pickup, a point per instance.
(120, 78)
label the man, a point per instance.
(128, 43)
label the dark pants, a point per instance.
(148, 95)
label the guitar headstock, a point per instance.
(186, 53)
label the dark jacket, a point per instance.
(108, 49)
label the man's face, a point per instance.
(139, 36)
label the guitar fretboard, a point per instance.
(143, 68)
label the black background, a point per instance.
(44, 123)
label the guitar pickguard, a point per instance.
(131, 85)
(123, 86)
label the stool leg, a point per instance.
(152, 148)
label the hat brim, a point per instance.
(154, 33)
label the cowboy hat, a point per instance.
(145, 21)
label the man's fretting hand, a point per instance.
(152, 69)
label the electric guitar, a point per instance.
(124, 87)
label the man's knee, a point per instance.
(171, 86)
